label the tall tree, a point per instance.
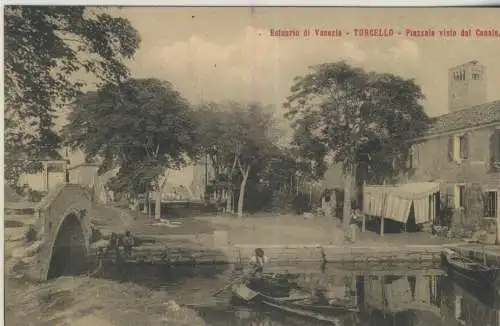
(253, 144)
(44, 47)
(361, 118)
(214, 139)
(143, 126)
(237, 138)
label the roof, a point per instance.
(472, 117)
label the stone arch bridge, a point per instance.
(63, 232)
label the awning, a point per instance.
(395, 202)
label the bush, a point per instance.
(95, 235)
(35, 196)
(31, 234)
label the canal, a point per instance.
(159, 295)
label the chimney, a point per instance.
(467, 86)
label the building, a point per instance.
(461, 151)
(85, 174)
(52, 174)
(186, 184)
(454, 169)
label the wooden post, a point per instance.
(363, 224)
(384, 200)
(384, 203)
(498, 217)
(382, 226)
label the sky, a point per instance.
(217, 54)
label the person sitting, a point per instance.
(258, 260)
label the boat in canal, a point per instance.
(468, 269)
(304, 306)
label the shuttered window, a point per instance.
(490, 200)
(458, 148)
(460, 196)
(495, 149)
(451, 149)
(464, 147)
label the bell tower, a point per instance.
(466, 86)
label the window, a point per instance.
(476, 75)
(463, 147)
(459, 148)
(495, 150)
(490, 203)
(433, 206)
(460, 196)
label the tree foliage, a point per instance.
(361, 118)
(364, 120)
(44, 47)
(237, 138)
(141, 125)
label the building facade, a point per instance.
(461, 152)
(52, 174)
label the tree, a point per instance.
(44, 47)
(252, 144)
(142, 126)
(364, 119)
(237, 139)
(214, 132)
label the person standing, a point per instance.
(353, 225)
(128, 243)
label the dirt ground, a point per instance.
(298, 230)
(258, 229)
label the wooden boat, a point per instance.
(299, 305)
(466, 268)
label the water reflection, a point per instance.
(384, 300)
(396, 298)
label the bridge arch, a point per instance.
(69, 248)
(64, 230)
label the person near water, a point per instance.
(128, 243)
(258, 260)
(353, 224)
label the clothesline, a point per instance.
(395, 202)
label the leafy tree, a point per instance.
(237, 139)
(142, 126)
(364, 119)
(214, 138)
(44, 47)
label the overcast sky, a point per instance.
(229, 54)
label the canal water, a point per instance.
(158, 295)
